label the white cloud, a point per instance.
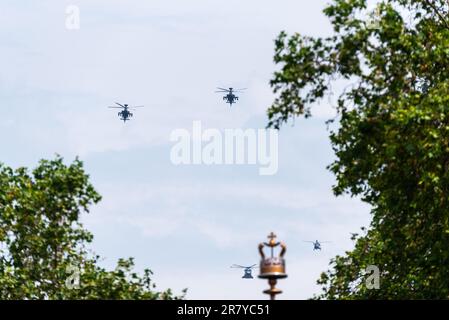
(127, 53)
(162, 210)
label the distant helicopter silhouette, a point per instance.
(230, 97)
(247, 270)
(125, 114)
(354, 236)
(317, 244)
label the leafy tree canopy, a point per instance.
(391, 141)
(43, 245)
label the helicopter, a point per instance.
(125, 114)
(317, 244)
(230, 97)
(247, 270)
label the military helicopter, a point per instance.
(230, 97)
(317, 244)
(125, 114)
(247, 270)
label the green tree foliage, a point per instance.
(391, 141)
(43, 245)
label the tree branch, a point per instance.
(438, 13)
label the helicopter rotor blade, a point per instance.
(237, 266)
(115, 107)
(227, 90)
(133, 107)
(121, 105)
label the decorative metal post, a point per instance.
(273, 267)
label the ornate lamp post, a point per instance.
(273, 267)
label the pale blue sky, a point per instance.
(187, 223)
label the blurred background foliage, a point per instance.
(390, 137)
(44, 250)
